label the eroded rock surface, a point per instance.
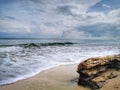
(94, 72)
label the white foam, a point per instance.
(19, 63)
(10, 49)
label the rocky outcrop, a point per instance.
(94, 72)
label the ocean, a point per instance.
(23, 58)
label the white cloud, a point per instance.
(106, 6)
(113, 17)
(92, 18)
(57, 16)
(49, 30)
(27, 29)
(75, 34)
(14, 26)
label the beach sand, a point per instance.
(59, 78)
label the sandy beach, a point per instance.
(58, 78)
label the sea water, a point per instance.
(23, 58)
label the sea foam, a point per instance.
(19, 62)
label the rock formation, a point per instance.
(94, 72)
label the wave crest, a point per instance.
(46, 44)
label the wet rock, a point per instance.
(94, 72)
(30, 45)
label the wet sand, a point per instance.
(59, 78)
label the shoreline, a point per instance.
(30, 76)
(62, 77)
(57, 78)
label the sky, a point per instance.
(62, 19)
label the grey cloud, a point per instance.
(10, 17)
(61, 18)
(64, 9)
(101, 30)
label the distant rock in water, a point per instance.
(29, 45)
(94, 72)
(56, 43)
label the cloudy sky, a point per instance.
(67, 19)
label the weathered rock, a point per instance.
(94, 71)
(92, 62)
(99, 81)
